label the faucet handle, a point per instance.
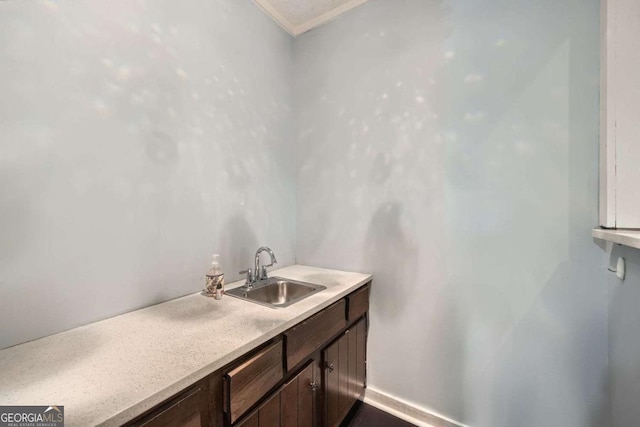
(263, 269)
(249, 279)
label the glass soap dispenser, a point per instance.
(215, 279)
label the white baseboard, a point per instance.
(407, 411)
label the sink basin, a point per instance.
(276, 292)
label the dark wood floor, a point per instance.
(364, 415)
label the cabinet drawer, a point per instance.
(189, 410)
(309, 336)
(358, 303)
(246, 384)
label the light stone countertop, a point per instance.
(108, 372)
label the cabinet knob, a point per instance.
(314, 385)
(331, 367)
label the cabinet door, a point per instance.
(337, 381)
(252, 421)
(293, 405)
(344, 400)
(269, 415)
(190, 410)
(332, 383)
(297, 399)
(361, 358)
(344, 372)
(352, 388)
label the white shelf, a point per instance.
(622, 237)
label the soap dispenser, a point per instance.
(215, 279)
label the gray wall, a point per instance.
(138, 137)
(624, 339)
(451, 148)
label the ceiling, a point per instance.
(299, 16)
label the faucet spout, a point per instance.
(261, 272)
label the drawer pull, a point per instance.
(314, 385)
(331, 367)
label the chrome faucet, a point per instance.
(259, 272)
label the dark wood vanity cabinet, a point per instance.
(309, 376)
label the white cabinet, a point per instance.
(620, 115)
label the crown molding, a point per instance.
(276, 16)
(267, 8)
(323, 19)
